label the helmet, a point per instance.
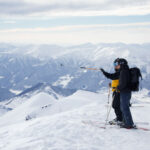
(116, 62)
(120, 61)
(123, 61)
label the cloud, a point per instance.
(22, 32)
(8, 22)
(73, 7)
(78, 27)
(76, 34)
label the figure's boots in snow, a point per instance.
(115, 122)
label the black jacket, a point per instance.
(124, 79)
(112, 76)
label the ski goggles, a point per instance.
(116, 64)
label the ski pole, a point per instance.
(109, 89)
(89, 68)
(109, 110)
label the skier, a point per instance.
(116, 94)
(125, 93)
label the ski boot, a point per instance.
(127, 126)
(113, 122)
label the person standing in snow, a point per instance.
(125, 93)
(116, 94)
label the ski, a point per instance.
(94, 125)
(144, 129)
(135, 106)
(103, 126)
(138, 122)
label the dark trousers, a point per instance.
(125, 108)
(116, 106)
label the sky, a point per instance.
(74, 21)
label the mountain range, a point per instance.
(24, 68)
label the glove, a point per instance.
(101, 69)
(109, 85)
(117, 90)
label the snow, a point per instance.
(3, 110)
(15, 91)
(60, 127)
(30, 106)
(64, 81)
(33, 64)
(11, 59)
(2, 77)
(27, 86)
(45, 120)
(26, 78)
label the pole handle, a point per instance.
(89, 68)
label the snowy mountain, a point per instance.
(43, 122)
(24, 66)
(46, 98)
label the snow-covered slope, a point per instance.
(28, 107)
(59, 125)
(41, 104)
(48, 97)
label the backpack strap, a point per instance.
(140, 75)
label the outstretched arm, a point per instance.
(112, 76)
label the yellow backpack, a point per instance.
(114, 84)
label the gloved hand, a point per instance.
(117, 90)
(109, 85)
(101, 69)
